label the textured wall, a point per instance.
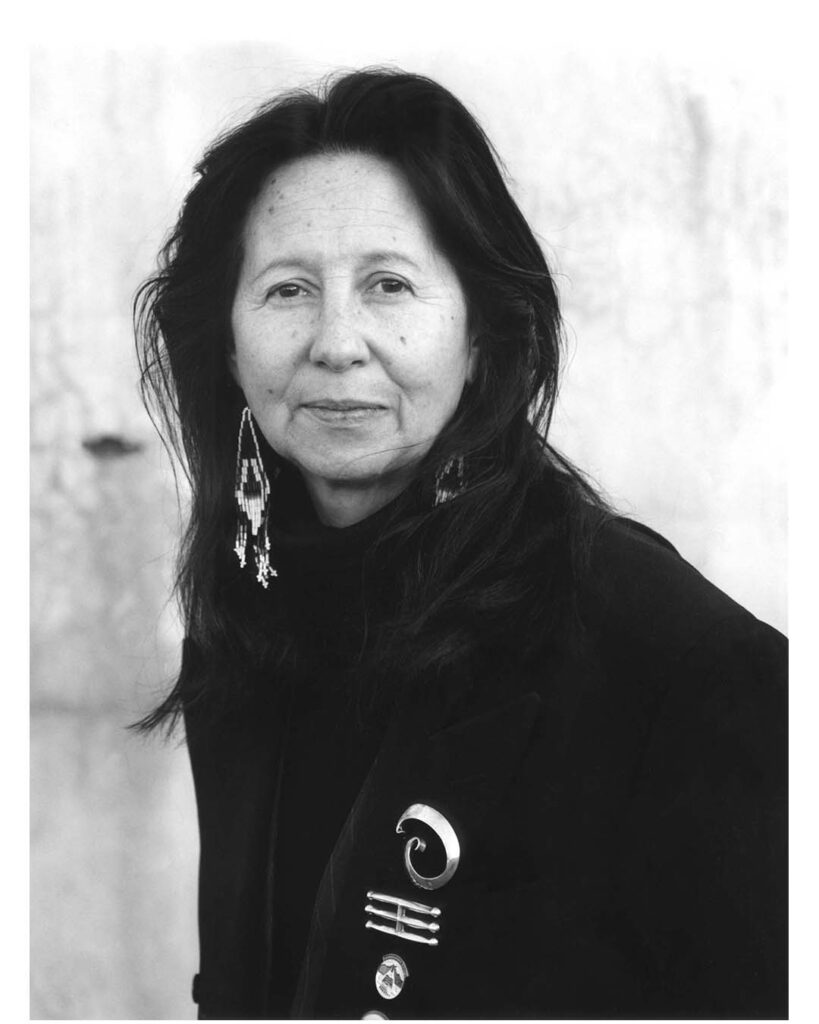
(659, 194)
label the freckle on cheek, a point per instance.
(402, 339)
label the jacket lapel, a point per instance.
(458, 763)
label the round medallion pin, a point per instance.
(391, 976)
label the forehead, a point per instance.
(339, 199)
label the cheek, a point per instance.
(267, 363)
(447, 359)
(433, 385)
(253, 371)
(431, 348)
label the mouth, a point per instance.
(342, 405)
(343, 411)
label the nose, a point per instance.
(339, 340)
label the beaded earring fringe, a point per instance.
(252, 492)
(449, 480)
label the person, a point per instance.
(465, 742)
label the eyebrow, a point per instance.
(389, 256)
(366, 260)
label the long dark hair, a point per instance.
(480, 561)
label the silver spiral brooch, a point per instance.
(444, 831)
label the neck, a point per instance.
(342, 503)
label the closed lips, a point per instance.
(344, 405)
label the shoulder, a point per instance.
(639, 592)
(661, 634)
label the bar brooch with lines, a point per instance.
(401, 918)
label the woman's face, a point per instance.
(350, 327)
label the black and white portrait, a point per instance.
(408, 524)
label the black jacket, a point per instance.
(620, 807)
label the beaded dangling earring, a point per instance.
(449, 480)
(252, 492)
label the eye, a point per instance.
(390, 286)
(290, 290)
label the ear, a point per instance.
(233, 366)
(472, 359)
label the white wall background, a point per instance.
(657, 187)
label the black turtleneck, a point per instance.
(331, 735)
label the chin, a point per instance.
(362, 470)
